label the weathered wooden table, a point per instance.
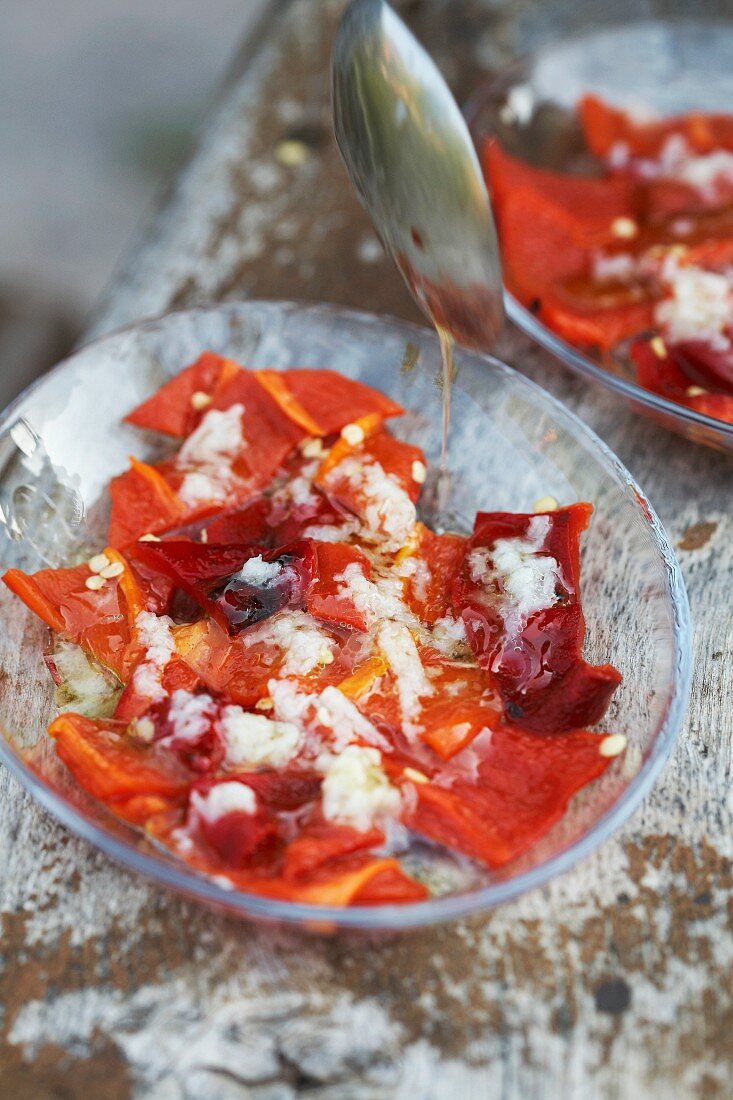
(615, 981)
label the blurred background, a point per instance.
(101, 101)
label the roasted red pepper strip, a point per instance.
(195, 567)
(717, 405)
(461, 707)
(344, 881)
(246, 525)
(321, 842)
(668, 376)
(437, 558)
(288, 789)
(270, 435)
(142, 503)
(98, 620)
(659, 373)
(390, 886)
(113, 767)
(210, 575)
(548, 267)
(243, 671)
(602, 327)
(402, 463)
(177, 407)
(324, 600)
(534, 656)
(583, 206)
(522, 787)
(240, 838)
(328, 400)
(706, 366)
(538, 250)
(605, 126)
(224, 664)
(176, 676)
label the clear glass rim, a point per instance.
(415, 914)
(525, 320)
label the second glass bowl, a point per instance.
(511, 443)
(668, 67)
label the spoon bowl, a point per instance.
(412, 162)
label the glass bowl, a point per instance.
(666, 66)
(511, 443)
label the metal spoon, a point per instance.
(410, 158)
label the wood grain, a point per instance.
(614, 981)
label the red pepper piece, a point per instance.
(538, 250)
(301, 504)
(705, 365)
(176, 676)
(548, 225)
(285, 790)
(659, 373)
(667, 375)
(224, 665)
(523, 785)
(154, 590)
(195, 567)
(667, 201)
(323, 600)
(537, 665)
(461, 707)
(585, 207)
(397, 460)
(579, 322)
(295, 521)
(270, 435)
(209, 573)
(710, 243)
(331, 400)
(338, 882)
(98, 621)
(173, 409)
(243, 671)
(427, 592)
(113, 767)
(605, 126)
(142, 503)
(248, 525)
(140, 809)
(53, 594)
(238, 838)
(321, 842)
(390, 886)
(341, 882)
(459, 823)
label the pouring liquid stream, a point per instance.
(443, 485)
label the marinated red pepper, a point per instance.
(301, 676)
(643, 249)
(518, 593)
